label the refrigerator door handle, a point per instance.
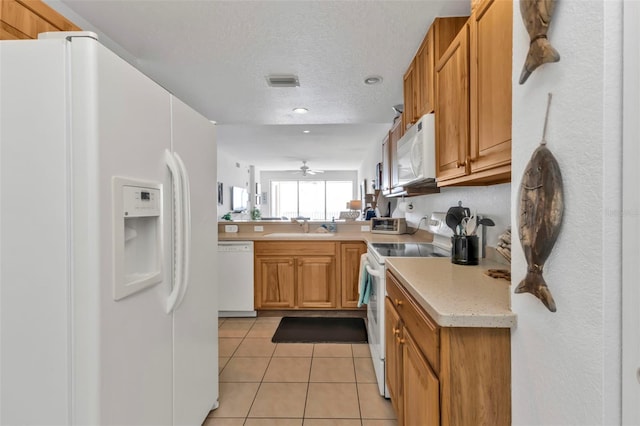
(178, 244)
(186, 238)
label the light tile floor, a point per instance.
(293, 384)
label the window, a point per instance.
(315, 199)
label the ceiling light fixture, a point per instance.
(300, 110)
(306, 131)
(373, 79)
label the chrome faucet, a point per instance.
(304, 224)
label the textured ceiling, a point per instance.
(215, 56)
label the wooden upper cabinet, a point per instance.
(473, 106)
(21, 19)
(425, 75)
(437, 40)
(452, 108)
(410, 111)
(491, 46)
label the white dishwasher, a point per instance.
(235, 279)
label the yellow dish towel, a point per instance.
(364, 289)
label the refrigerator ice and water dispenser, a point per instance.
(137, 228)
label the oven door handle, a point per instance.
(371, 271)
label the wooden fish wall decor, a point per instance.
(541, 210)
(536, 15)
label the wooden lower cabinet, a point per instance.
(350, 254)
(274, 282)
(316, 282)
(307, 275)
(420, 386)
(393, 355)
(444, 375)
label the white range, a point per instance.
(375, 266)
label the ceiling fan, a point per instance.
(306, 170)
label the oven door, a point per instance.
(375, 320)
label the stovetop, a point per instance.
(408, 250)
(440, 247)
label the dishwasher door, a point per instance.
(235, 279)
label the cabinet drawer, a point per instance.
(424, 330)
(295, 248)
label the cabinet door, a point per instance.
(420, 386)
(425, 75)
(490, 71)
(350, 254)
(316, 281)
(26, 19)
(409, 113)
(393, 355)
(274, 282)
(452, 111)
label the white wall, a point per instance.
(566, 365)
(492, 201)
(231, 172)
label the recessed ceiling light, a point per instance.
(306, 131)
(300, 110)
(373, 79)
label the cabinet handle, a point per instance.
(400, 340)
(398, 302)
(459, 164)
(396, 331)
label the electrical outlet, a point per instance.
(258, 228)
(365, 228)
(231, 228)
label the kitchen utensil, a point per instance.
(486, 222)
(454, 217)
(452, 222)
(470, 225)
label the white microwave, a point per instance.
(416, 153)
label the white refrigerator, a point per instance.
(108, 230)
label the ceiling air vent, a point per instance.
(283, 80)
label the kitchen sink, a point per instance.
(300, 235)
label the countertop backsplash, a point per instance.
(491, 201)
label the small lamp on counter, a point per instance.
(355, 207)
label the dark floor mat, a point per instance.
(320, 330)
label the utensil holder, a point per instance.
(464, 249)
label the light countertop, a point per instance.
(338, 236)
(456, 295)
